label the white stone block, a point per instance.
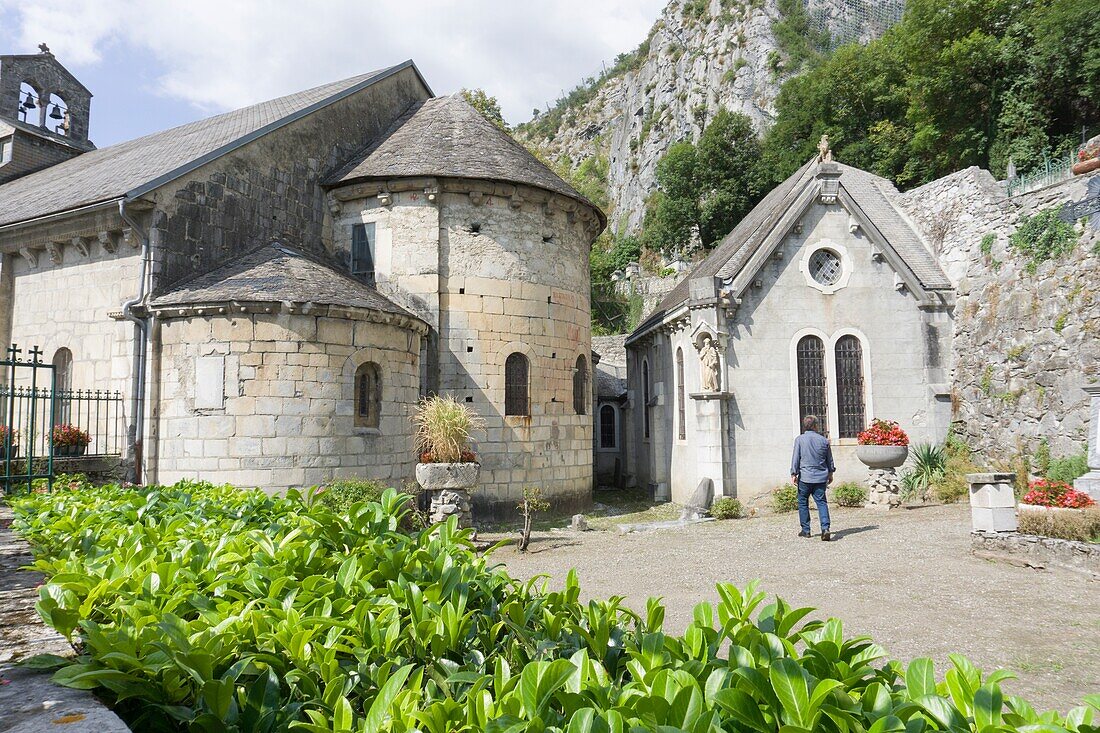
(993, 519)
(209, 382)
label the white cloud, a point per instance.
(219, 54)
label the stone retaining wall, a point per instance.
(1037, 551)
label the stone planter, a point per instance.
(882, 456)
(1047, 509)
(449, 485)
(1086, 166)
(883, 486)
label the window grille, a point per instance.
(825, 266)
(645, 398)
(516, 385)
(368, 395)
(608, 429)
(849, 386)
(812, 392)
(362, 250)
(580, 386)
(680, 409)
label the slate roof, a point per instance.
(130, 168)
(276, 273)
(446, 137)
(870, 192)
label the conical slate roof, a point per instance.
(446, 137)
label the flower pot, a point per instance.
(882, 456)
(437, 476)
(68, 451)
(1086, 166)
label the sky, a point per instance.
(160, 63)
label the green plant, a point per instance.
(1043, 237)
(205, 608)
(850, 494)
(785, 499)
(532, 504)
(443, 428)
(1067, 468)
(1040, 462)
(342, 494)
(1081, 525)
(726, 507)
(986, 245)
(928, 467)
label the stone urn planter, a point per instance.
(882, 456)
(449, 485)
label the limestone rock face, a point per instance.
(722, 57)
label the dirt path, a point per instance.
(906, 578)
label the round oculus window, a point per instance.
(825, 266)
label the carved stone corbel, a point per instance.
(476, 198)
(30, 255)
(56, 252)
(109, 241)
(82, 245)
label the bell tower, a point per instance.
(44, 113)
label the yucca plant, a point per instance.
(443, 428)
(929, 466)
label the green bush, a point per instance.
(204, 608)
(342, 494)
(726, 507)
(928, 468)
(1068, 468)
(785, 499)
(850, 494)
(1043, 237)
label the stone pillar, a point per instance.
(449, 485)
(1090, 482)
(883, 489)
(992, 502)
(447, 503)
(709, 439)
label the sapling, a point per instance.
(531, 505)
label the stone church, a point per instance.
(274, 288)
(824, 300)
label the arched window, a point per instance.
(680, 409)
(63, 386)
(812, 388)
(368, 395)
(645, 399)
(30, 104)
(609, 431)
(580, 386)
(516, 385)
(849, 386)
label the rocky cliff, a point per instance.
(701, 55)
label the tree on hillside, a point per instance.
(488, 106)
(708, 186)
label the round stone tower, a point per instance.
(458, 223)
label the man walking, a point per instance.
(812, 471)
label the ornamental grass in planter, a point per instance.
(448, 466)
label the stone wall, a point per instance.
(1038, 552)
(1025, 342)
(278, 410)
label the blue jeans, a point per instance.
(818, 492)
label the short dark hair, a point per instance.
(809, 423)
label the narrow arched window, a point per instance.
(645, 399)
(849, 386)
(57, 115)
(517, 385)
(812, 388)
(30, 105)
(63, 386)
(580, 386)
(680, 409)
(609, 433)
(368, 395)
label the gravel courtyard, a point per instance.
(906, 578)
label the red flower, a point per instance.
(70, 435)
(883, 432)
(1043, 492)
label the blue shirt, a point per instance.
(812, 461)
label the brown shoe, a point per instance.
(825, 537)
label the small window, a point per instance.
(368, 395)
(849, 386)
(609, 433)
(362, 250)
(645, 399)
(63, 386)
(825, 266)
(812, 392)
(680, 409)
(516, 385)
(580, 386)
(5, 150)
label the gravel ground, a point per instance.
(905, 578)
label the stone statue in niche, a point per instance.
(824, 154)
(711, 365)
